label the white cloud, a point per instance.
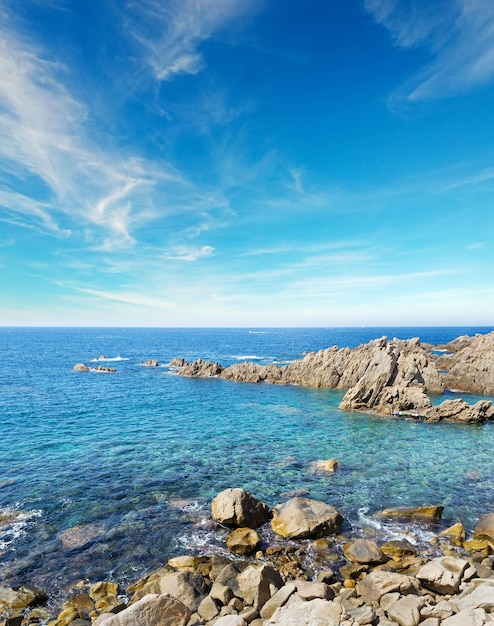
(459, 33)
(57, 176)
(172, 32)
(188, 253)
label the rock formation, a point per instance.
(470, 365)
(384, 377)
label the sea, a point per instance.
(106, 476)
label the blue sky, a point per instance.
(246, 162)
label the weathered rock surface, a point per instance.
(236, 507)
(152, 610)
(431, 513)
(364, 551)
(384, 377)
(302, 517)
(484, 530)
(470, 367)
(243, 541)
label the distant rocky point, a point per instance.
(383, 377)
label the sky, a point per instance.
(246, 162)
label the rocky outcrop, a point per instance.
(80, 367)
(470, 367)
(383, 377)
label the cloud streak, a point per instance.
(460, 36)
(171, 33)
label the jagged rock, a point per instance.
(258, 583)
(460, 411)
(364, 551)
(378, 583)
(484, 530)
(445, 574)
(383, 377)
(151, 363)
(302, 518)
(455, 532)
(243, 541)
(470, 367)
(426, 513)
(279, 599)
(236, 507)
(152, 610)
(200, 368)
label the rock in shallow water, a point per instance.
(302, 518)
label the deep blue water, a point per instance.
(111, 474)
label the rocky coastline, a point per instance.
(351, 581)
(385, 377)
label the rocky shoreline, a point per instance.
(389, 378)
(352, 580)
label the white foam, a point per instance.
(109, 358)
(17, 526)
(250, 357)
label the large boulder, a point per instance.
(186, 586)
(378, 583)
(315, 612)
(445, 574)
(151, 610)
(364, 551)
(243, 541)
(257, 584)
(236, 507)
(484, 531)
(299, 518)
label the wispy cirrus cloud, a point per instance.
(172, 32)
(59, 176)
(459, 34)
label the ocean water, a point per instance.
(108, 475)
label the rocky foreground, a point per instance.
(385, 377)
(357, 581)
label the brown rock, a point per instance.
(364, 551)
(152, 610)
(236, 507)
(484, 531)
(243, 541)
(398, 549)
(425, 513)
(301, 518)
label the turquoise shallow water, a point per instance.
(111, 474)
